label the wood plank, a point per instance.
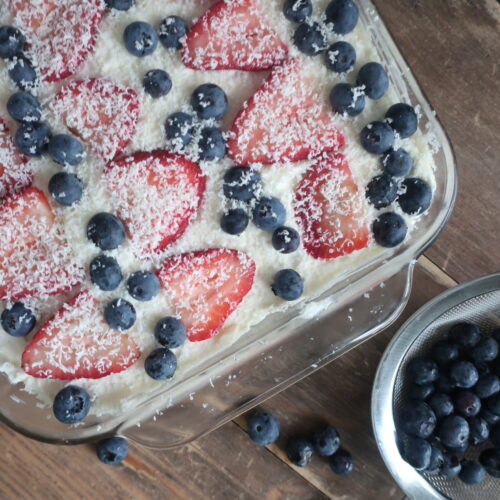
(453, 48)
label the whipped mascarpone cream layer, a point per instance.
(119, 392)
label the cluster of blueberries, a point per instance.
(264, 429)
(454, 405)
(244, 185)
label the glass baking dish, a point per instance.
(286, 346)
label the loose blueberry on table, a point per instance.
(112, 451)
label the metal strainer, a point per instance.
(477, 301)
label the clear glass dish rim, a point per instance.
(372, 272)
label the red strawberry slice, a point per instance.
(35, 258)
(14, 173)
(205, 287)
(232, 35)
(331, 210)
(285, 120)
(77, 343)
(60, 33)
(156, 195)
(102, 113)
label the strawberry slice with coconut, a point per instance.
(35, 258)
(286, 120)
(102, 113)
(233, 34)
(60, 33)
(156, 194)
(77, 343)
(15, 174)
(205, 287)
(331, 210)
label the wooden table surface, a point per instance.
(453, 47)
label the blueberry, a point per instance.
(441, 404)
(161, 364)
(493, 404)
(341, 462)
(143, 285)
(24, 107)
(467, 403)
(242, 183)
(234, 221)
(17, 320)
(489, 416)
(286, 239)
(157, 83)
(340, 57)
(463, 374)
(297, 11)
(416, 197)
(485, 350)
(451, 466)
(140, 39)
(22, 72)
(120, 314)
(490, 460)
(105, 273)
(11, 42)
(444, 352)
(459, 449)
(403, 119)
(397, 162)
(422, 371)
(487, 386)
(381, 191)
(288, 284)
(263, 428)
(106, 231)
(309, 38)
(112, 451)
(269, 214)
(347, 99)
(71, 405)
(119, 4)
(421, 392)
(389, 230)
(445, 384)
(417, 419)
(170, 332)
(436, 462)
(326, 441)
(479, 430)
(343, 15)
(212, 145)
(417, 452)
(465, 334)
(374, 79)
(65, 188)
(377, 137)
(32, 139)
(66, 150)
(299, 452)
(171, 31)
(472, 472)
(179, 129)
(454, 431)
(209, 101)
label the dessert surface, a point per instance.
(166, 199)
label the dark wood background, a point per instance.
(453, 47)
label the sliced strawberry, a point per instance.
(232, 35)
(331, 210)
(78, 343)
(205, 287)
(156, 194)
(60, 33)
(285, 120)
(14, 173)
(35, 258)
(102, 113)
